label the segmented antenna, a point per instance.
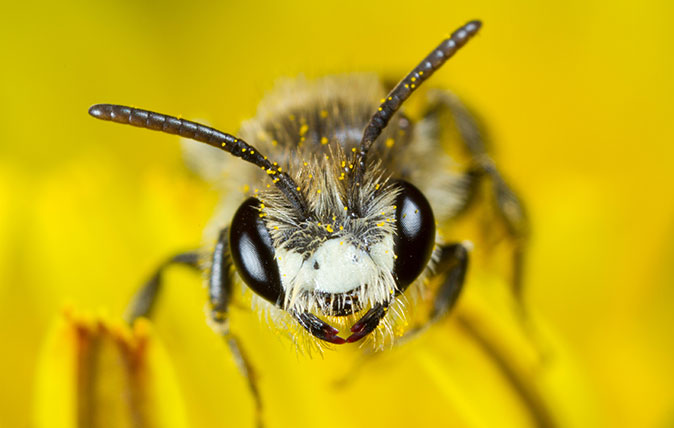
(195, 131)
(445, 50)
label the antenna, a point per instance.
(213, 137)
(433, 61)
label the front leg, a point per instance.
(220, 293)
(144, 301)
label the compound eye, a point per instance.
(415, 236)
(253, 253)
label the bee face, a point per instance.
(334, 263)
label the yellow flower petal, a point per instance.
(98, 373)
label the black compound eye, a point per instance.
(415, 236)
(253, 253)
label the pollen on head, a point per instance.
(303, 129)
(324, 114)
(390, 142)
(274, 143)
(324, 140)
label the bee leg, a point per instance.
(144, 301)
(220, 291)
(509, 208)
(454, 263)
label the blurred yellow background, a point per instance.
(577, 96)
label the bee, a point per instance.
(340, 231)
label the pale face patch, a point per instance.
(338, 267)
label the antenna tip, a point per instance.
(100, 111)
(473, 26)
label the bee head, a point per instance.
(339, 261)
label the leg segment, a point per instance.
(220, 292)
(509, 208)
(454, 263)
(144, 301)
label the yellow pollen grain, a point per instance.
(327, 157)
(380, 224)
(311, 176)
(318, 191)
(390, 142)
(413, 86)
(280, 169)
(380, 109)
(268, 186)
(407, 86)
(341, 242)
(343, 164)
(274, 164)
(257, 190)
(276, 227)
(329, 228)
(421, 73)
(262, 206)
(346, 208)
(252, 152)
(273, 143)
(414, 79)
(353, 150)
(390, 98)
(324, 114)
(324, 140)
(303, 129)
(224, 144)
(243, 150)
(381, 100)
(246, 188)
(395, 257)
(298, 188)
(341, 227)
